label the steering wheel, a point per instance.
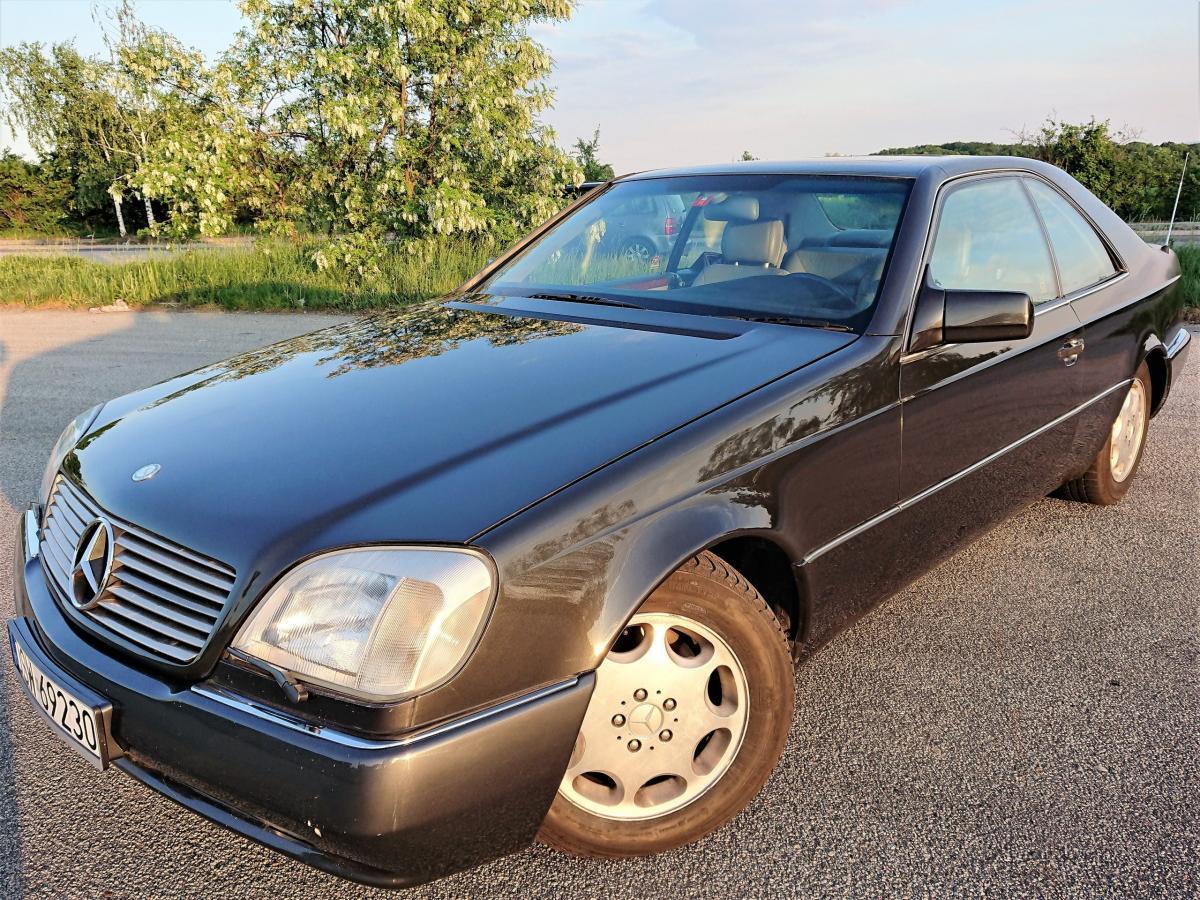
(826, 291)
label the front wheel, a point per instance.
(688, 718)
(1111, 472)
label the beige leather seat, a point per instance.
(747, 249)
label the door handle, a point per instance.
(1070, 350)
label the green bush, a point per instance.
(31, 200)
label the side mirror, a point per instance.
(958, 317)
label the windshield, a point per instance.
(803, 248)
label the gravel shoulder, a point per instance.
(1023, 721)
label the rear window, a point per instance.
(857, 211)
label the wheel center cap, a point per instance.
(645, 719)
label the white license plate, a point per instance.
(78, 723)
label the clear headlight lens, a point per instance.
(66, 442)
(375, 623)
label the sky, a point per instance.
(678, 82)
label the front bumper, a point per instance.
(393, 812)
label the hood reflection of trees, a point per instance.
(386, 339)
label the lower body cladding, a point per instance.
(388, 812)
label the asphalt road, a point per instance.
(1025, 720)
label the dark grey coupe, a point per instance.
(398, 597)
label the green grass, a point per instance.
(268, 276)
(1189, 263)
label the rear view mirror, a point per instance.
(959, 317)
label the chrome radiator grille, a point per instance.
(161, 597)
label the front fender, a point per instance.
(568, 588)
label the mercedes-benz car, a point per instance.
(538, 560)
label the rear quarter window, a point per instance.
(1082, 257)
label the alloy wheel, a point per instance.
(665, 722)
(637, 251)
(1127, 432)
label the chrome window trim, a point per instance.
(946, 482)
(1083, 292)
(345, 739)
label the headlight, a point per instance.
(376, 623)
(65, 444)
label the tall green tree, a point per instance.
(405, 118)
(587, 155)
(104, 119)
(150, 78)
(58, 98)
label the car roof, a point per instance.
(882, 166)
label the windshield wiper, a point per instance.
(792, 320)
(583, 298)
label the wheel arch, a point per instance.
(1154, 355)
(762, 561)
(741, 537)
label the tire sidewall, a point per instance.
(754, 635)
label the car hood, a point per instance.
(426, 425)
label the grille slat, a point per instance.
(140, 601)
(145, 571)
(161, 597)
(127, 590)
(162, 559)
(142, 536)
(60, 569)
(64, 555)
(74, 509)
(151, 642)
(155, 625)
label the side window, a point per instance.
(1082, 259)
(989, 239)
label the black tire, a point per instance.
(639, 248)
(1098, 484)
(704, 590)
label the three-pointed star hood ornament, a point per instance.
(145, 473)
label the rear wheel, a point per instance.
(638, 250)
(687, 721)
(1108, 478)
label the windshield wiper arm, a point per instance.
(793, 320)
(583, 298)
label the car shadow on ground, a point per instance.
(54, 365)
(33, 410)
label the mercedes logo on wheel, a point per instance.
(646, 718)
(93, 564)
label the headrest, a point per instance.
(733, 209)
(753, 243)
